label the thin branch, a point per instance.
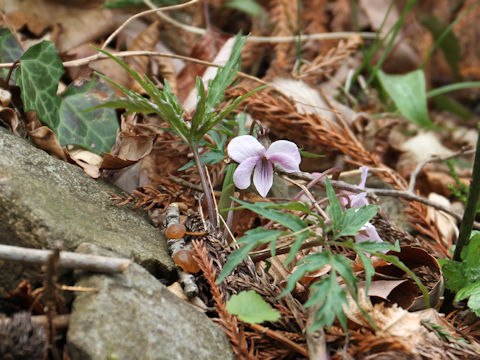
(143, 13)
(276, 335)
(435, 158)
(68, 260)
(373, 193)
(266, 39)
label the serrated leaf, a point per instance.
(262, 208)
(38, 76)
(408, 92)
(93, 130)
(469, 290)
(251, 308)
(248, 242)
(164, 103)
(10, 51)
(224, 76)
(331, 297)
(308, 264)
(334, 209)
(354, 219)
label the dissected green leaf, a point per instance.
(354, 219)
(334, 208)
(408, 92)
(248, 242)
(250, 307)
(10, 51)
(164, 103)
(309, 263)
(94, 130)
(331, 297)
(38, 76)
(262, 208)
(459, 275)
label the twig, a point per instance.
(100, 56)
(143, 13)
(266, 39)
(190, 185)
(413, 178)
(60, 322)
(68, 260)
(373, 193)
(187, 280)
(276, 335)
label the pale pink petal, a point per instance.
(263, 177)
(358, 200)
(284, 147)
(243, 147)
(241, 176)
(368, 233)
(364, 171)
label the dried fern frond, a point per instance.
(326, 64)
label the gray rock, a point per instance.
(134, 316)
(44, 200)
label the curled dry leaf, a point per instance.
(425, 266)
(44, 138)
(87, 160)
(401, 292)
(130, 150)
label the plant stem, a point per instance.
(471, 206)
(468, 219)
(206, 188)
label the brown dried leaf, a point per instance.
(87, 160)
(44, 138)
(146, 40)
(205, 49)
(79, 25)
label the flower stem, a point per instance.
(206, 188)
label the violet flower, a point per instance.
(368, 231)
(248, 151)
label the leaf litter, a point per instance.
(329, 97)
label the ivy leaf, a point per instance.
(38, 76)
(94, 130)
(408, 92)
(248, 242)
(10, 51)
(251, 308)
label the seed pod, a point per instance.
(175, 231)
(184, 259)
